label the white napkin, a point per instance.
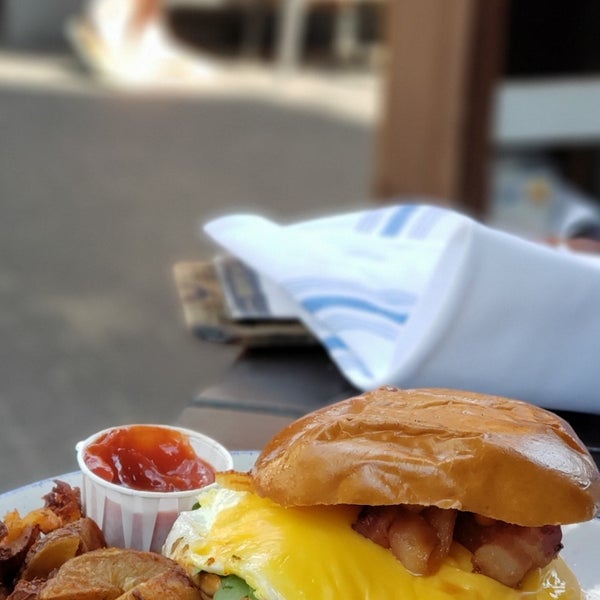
(416, 295)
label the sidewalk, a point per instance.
(102, 191)
(344, 94)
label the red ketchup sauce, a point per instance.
(148, 458)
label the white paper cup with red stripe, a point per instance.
(124, 490)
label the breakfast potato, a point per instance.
(173, 583)
(25, 590)
(51, 551)
(13, 551)
(111, 573)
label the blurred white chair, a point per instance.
(125, 43)
(291, 30)
(254, 22)
(291, 23)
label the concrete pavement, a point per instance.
(101, 191)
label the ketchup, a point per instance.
(148, 458)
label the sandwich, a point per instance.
(424, 494)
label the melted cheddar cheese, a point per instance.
(312, 553)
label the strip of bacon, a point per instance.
(507, 552)
(420, 538)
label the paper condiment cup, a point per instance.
(137, 519)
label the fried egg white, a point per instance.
(310, 553)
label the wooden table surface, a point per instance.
(263, 390)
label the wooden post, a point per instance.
(442, 63)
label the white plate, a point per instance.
(580, 541)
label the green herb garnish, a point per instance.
(234, 588)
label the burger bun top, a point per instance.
(500, 458)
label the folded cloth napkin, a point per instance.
(422, 296)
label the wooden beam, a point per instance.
(442, 62)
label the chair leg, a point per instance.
(346, 32)
(254, 27)
(290, 32)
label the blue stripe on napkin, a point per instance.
(305, 285)
(398, 219)
(333, 342)
(346, 360)
(369, 220)
(371, 324)
(425, 222)
(318, 303)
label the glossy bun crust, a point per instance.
(500, 458)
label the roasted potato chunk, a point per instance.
(170, 584)
(109, 573)
(26, 590)
(13, 552)
(53, 550)
(49, 553)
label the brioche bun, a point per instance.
(500, 458)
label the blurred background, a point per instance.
(112, 154)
